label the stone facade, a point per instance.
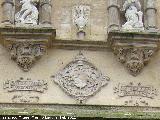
(80, 41)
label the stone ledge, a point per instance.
(81, 111)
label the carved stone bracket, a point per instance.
(27, 45)
(26, 53)
(134, 58)
(133, 50)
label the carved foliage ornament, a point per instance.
(25, 54)
(81, 15)
(80, 79)
(134, 58)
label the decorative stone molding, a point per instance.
(26, 46)
(80, 79)
(134, 50)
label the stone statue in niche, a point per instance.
(28, 13)
(133, 15)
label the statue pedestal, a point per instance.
(134, 49)
(26, 45)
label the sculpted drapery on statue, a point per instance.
(133, 15)
(28, 13)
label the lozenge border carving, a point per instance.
(80, 79)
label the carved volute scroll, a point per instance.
(80, 79)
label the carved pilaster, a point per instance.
(45, 13)
(151, 12)
(133, 50)
(8, 12)
(113, 14)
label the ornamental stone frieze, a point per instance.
(134, 50)
(26, 46)
(80, 79)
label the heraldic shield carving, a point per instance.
(80, 79)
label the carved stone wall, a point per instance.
(84, 79)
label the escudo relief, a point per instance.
(80, 79)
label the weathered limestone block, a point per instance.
(113, 14)
(45, 12)
(151, 12)
(8, 12)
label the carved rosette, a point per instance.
(26, 53)
(134, 58)
(80, 79)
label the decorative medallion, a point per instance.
(80, 78)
